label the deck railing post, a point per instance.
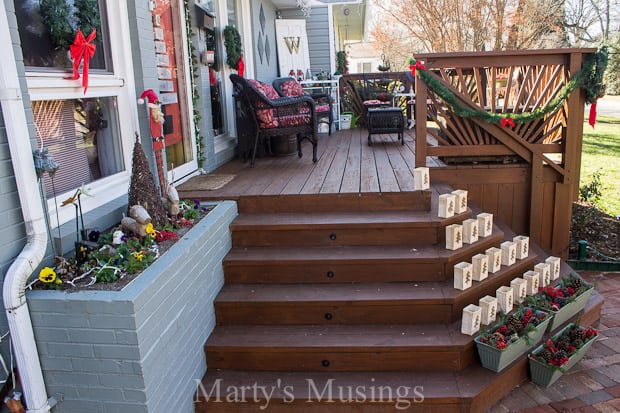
(420, 124)
(566, 192)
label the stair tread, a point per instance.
(431, 291)
(434, 337)
(320, 220)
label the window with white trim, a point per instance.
(90, 134)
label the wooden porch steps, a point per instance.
(470, 390)
(355, 303)
(340, 348)
(342, 228)
(389, 263)
(360, 301)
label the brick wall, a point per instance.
(139, 349)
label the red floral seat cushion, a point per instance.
(294, 120)
(292, 88)
(322, 108)
(374, 102)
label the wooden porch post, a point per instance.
(566, 192)
(420, 122)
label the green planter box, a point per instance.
(496, 359)
(545, 375)
(565, 313)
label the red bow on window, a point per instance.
(82, 49)
(508, 122)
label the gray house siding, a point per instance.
(317, 28)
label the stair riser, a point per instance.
(331, 313)
(333, 406)
(339, 237)
(337, 272)
(371, 359)
(376, 202)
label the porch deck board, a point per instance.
(346, 164)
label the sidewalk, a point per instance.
(593, 385)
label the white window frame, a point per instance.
(119, 84)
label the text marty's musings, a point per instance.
(329, 391)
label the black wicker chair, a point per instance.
(286, 116)
(323, 101)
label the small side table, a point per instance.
(386, 120)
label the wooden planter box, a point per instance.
(496, 359)
(544, 374)
(565, 313)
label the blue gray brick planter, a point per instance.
(139, 349)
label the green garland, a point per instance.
(193, 66)
(590, 77)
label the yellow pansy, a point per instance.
(138, 255)
(150, 230)
(47, 275)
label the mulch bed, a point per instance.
(600, 230)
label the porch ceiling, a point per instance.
(348, 14)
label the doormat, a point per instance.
(209, 182)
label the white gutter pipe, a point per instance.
(14, 295)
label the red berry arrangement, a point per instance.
(512, 328)
(558, 352)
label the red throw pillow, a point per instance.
(265, 88)
(292, 88)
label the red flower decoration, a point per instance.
(82, 49)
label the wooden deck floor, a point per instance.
(346, 164)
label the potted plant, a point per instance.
(503, 343)
(558, 354)
(564, 300)
(501, 80)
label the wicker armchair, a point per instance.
(289, 87)
(271, 115)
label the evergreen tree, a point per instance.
(142, 189)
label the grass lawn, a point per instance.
(601, 152)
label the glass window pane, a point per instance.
(47, 28)
(83, 137)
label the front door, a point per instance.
(172, 74)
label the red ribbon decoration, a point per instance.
(508, 122)
(82, 49)
(418, 65)
(592, 117)
(241, 66)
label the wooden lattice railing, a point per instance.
(504, 83)
(547, 149)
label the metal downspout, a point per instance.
(31, 256)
